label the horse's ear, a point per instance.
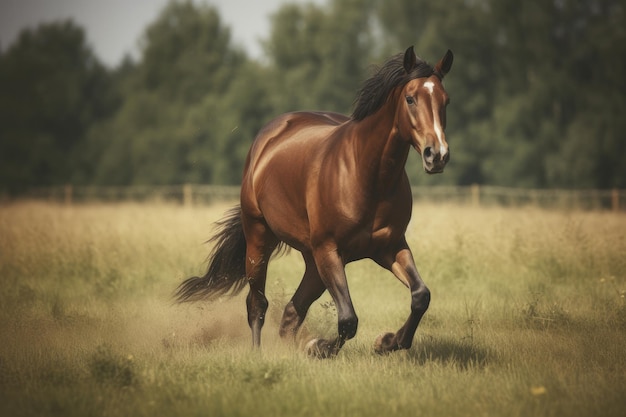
(444, 64)
(409, 59)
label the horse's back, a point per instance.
(293, 127)
(290, 143)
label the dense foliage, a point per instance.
(537, 87)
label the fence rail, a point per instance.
(191, 194)
(587, 199)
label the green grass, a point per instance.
(527, 318)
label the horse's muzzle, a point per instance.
(434, 162)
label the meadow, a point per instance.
(528, 318)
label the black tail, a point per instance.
(226, 273)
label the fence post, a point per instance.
(68, 192)
(615, 199)
(475, 189)
(187, 195)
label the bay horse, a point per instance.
(334, 188)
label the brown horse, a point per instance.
(334, 188)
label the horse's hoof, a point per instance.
(385, 344)
(311, 347)
(320, 349)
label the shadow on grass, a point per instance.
(108, 367)
(460, 353)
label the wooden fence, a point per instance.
(589, 199)
(191, 194)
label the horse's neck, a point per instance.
(382, 155)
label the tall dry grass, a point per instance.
(527, 318)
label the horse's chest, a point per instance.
(383, 236)
(367, 241)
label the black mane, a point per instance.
(375, 90)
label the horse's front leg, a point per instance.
(403, 267)
(331, 270)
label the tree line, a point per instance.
(538, 93)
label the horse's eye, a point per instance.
(410, 100)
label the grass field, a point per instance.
(527, 318)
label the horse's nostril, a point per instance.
(428, 153)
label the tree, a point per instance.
(561, 61)
(52, 88)
(537, 86)
(319, 56)
(592, 149)
(537, 91)
(187, 61)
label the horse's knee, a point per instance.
(290, 322)
(420, 299)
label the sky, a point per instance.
(114, 27)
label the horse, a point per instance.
(334, 188)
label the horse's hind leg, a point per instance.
(310, 289)
(260, 243)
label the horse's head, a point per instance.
(421, 112)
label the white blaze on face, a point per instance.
(430, 86)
